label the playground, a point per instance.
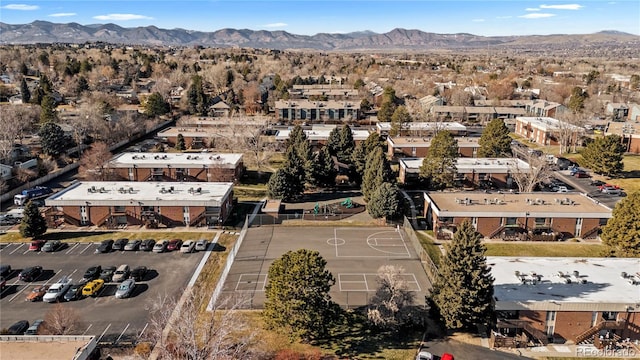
(353, 256)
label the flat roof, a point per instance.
(569, 284)
(403, 141)
(176, 160)
(127, 193)
(623, 128)
(204, 132)
(531, 205)
(322, 134)
(209, 121)
(42, 347)
(468, 165)
(450, 126)
(310, 104)
(547, 123)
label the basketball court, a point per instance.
(353, 255)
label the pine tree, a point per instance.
(439, 166)
(47, 110)
(52, 139)
(24, 92)
(399, 120)
(33, 223)
(621, 235)
(604, 155)
(495, 141)
(279, 185)
(297, 296)
(384, 202)
(83, 85)
(463, 291)
(296, 167)
(156, 106)
(196, 98)
(359, 156)
(180, 146)
(296, 136)
(346, 145)
(576, 101)
(306, 155)
(333, 142)
(388, 105)
(377, 171)
(323, 169)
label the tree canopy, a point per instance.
(323, 169)
(297, 295)
(495, 141)
(384, 201)
(463, 291)
(180, 145)
(604, 155)
(377, 172)
(359, 156)
(399, 120)
(52, 139)
(621, 235)
(439, 166)
(156, 106)
(47, 109)
(33, 223)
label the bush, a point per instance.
(143, 349)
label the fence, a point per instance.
(227, 267)
(427, 264)
(266, 219)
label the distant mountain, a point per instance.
(397, 39)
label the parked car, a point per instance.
(107, 273)
(36, 245)
(53, 246)
(30, 274)
(424, 355)
(122, 273)
(37, 293)
(202, 244)
(561, 189)
(133, 245)
(34, 329)
(56, 291)
(188, 246)
(125, 289)
(174, 244)
(147, 245)
(92, 273)
(105, 246)
(611, 191)
(3, 282)
(74, 292)
(597, 183)
(608, 186)
(120, 244)
(581, 174)
(139, 273)
(446, 356)
(18, 328)
(92, 287)
(5, 270)
(160, 246)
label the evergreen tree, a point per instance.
(196, 98)
(384, 202)
(604, 155)
(621, 235)
(279, 185)
(576, 101)
(47, 110)
(296, 168)
(495, 141)
(180, 146)
(388, 105)
(399, 120)
(333, 142)
(83, 85)
(359, 156)
(323, 170)
(24, 91)
(377, 172)
(346, 145)
(33, 223)
(439, 166)
(297, 296)
(296, 136)
(45, 84)
(156, 105)
(24, 70)
(52, 139)
(306, 155)
(463, 291)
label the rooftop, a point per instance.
(322, 133)
(122, 193)
(531, 205)
(565, 283)
(44, 347)
(547, 123)
(309, 104)
(468, 165)
(205, 132)
(402, 141)
(207, 121)
(416, 126)
(623, 128)
(177, 160)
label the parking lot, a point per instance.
(112, 320)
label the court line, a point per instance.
(258, 281)
(409, 282)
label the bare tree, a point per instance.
(94, 164)
(180, 330)
(569, 129)
(539, 171)
(62, 320)
(390, 306)
(15, 119)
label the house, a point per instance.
(630, 133)
(207, 167)
(617, 111)
(565, 300)
(423, 128)
(429, 101)
(151, 204)
(5, 171)
(546, 130)
(318, 111)
(536, 216)
(399, 147)
(319, 134)
(634, 112)
(543, 108)
(471, 171)
(221, 109)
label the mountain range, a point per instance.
(397, 39)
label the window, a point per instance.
(511, 221)
(603, 222)
(446, 219)
(119, 209)
(541, 221)
(609, 315)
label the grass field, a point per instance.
(426, 239)
(97, 236)
(250, 192)
(545, 249)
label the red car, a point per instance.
(174, 244)
(608, 186)
(581, 174)
(36, 245)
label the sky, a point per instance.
(307, 17)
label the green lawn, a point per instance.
(426, 239)
(545, 249)
(250, 192)
(97, 236)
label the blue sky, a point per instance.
(489, 18)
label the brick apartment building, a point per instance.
(151, 204)
(539, 216)
(565, 300)
(209, 167)
(629, 132)
(319, 134)
(471, 171)
(399, 147)
(318, 111)
(423, 128)
(546, 130)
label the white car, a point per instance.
(202, 244)
(57, 290)
(188, 246)
(424, 355)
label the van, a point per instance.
(122, 273)
(34, 328)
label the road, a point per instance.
(463, 351)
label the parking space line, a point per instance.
(122, 333)
(18, 293)
(104, 332)
(142, 332)
(73, 247)
(90, 325)
(26, 251)
(85, 249)
(16, 249)
(4, 247)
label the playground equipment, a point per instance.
(347, 203)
